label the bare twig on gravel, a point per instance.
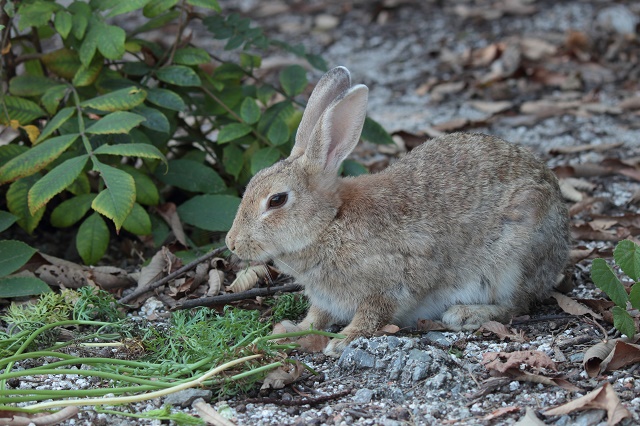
(233, 297)
(175, 274)
(298, 402)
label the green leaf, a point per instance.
(154, 119)
(54, 124)
(166, 99)
(87, 75)
(627, 256)
(22, 110)
(191, 56)
(208, 4)
(606, 280)
(6, 220)
(146, 190)
(353, 168)
(138, 221)
(373, 132)
(278, 132)
(89, 44)
(92, 239)
(70, 211)
(81, 14)
(250, 111)
(30, 85)
(36, 158)
(116, 201)
(52, 97)
(210, 212)
(264, 158)
(54, 182)
(293, 80)
(35, 14)
(192, 176)
(156, 22)
(623, 321)
(232, 132)
(317, 62)
(13, 256)
(17, 202)
(64, 62)
(235, 42)
(232, 160)
(116, 122)
(63, 23)
(123, 99)
(634, 296)
(111, 39)
(156, 7)
(178, 75)
(21, 287)
(141, 150)
(126, 7)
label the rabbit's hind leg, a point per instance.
(471, 317)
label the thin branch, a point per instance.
(298, 402)
(175, 274)
(234, 297)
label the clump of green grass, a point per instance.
(289, 306)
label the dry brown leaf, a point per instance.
(535, 49)
(491, 107)
(547, 108)
(430, 325)
(502, 361)
(169, 212)
(11, 418)
(500, 412)
(631, 103)
(529, 419)
(210, 414)
(609, 356)
(162, 263)
(247, 278)
(603, 398)
(484, 56)
(572, 307)
(585, 147)
(281, 376)
(387, 329)
(451, 125)
(110, 277)
(523, 376)
(216, 278)
(74, 277)
(502, 331)
(569, 191)
(585, 232)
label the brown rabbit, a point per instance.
(466, 228)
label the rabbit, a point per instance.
(465, 228)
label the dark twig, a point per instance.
(543, 318)
(298, 402)
(172, 275)
(233, 297)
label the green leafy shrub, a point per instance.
(110, 121)
(627, 257)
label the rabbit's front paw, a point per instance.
(336, 346)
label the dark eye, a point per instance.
(277, 200)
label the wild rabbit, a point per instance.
(466, 228)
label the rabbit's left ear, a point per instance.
(337, 132)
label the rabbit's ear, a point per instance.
(338, 131)
(331, 86)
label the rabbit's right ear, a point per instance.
(331, 86)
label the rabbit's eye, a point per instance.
(277, 200)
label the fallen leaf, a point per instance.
(631, 103)
(491, 107)
(281, 376)
(523, 376)
(210, 414)
(570, 192)
(430, 325)
(529, 419)
(603, 398)
(572, 307)
(312, 343)
(502, 361)
(161, 264)
(610, 356)
(535, 49)
(169, 212)
(503, 332)
(585, 147)
(451, 125)
(500, 412)
(547, 108)
(11, 418)
(387, 329)
(247, 278)
(585, 232)
(216, 278)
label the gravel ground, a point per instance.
(397, 47)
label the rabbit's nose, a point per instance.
(231, 243)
